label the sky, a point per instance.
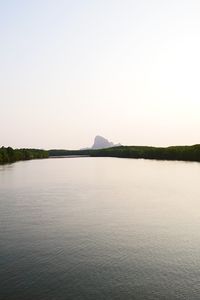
(127, 70)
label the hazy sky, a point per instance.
(128, 70)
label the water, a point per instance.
(99, 228)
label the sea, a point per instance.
(83, 228)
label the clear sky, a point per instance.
(128, 70)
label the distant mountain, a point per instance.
(101, 143)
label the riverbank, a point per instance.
(183, 153)
(9, 155)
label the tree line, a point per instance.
(185, 153)
(9, 155)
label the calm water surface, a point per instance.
(99, 228)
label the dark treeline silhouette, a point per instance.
(9, 155)
(185, 153)
(61, 152)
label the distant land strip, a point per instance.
(184, 153)
(181, 153)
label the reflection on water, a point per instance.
(99, 228)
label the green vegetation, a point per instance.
(60, 152)
(8, 155)
(185, 153)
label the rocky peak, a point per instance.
(100, 142)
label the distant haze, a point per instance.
(127, 70)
